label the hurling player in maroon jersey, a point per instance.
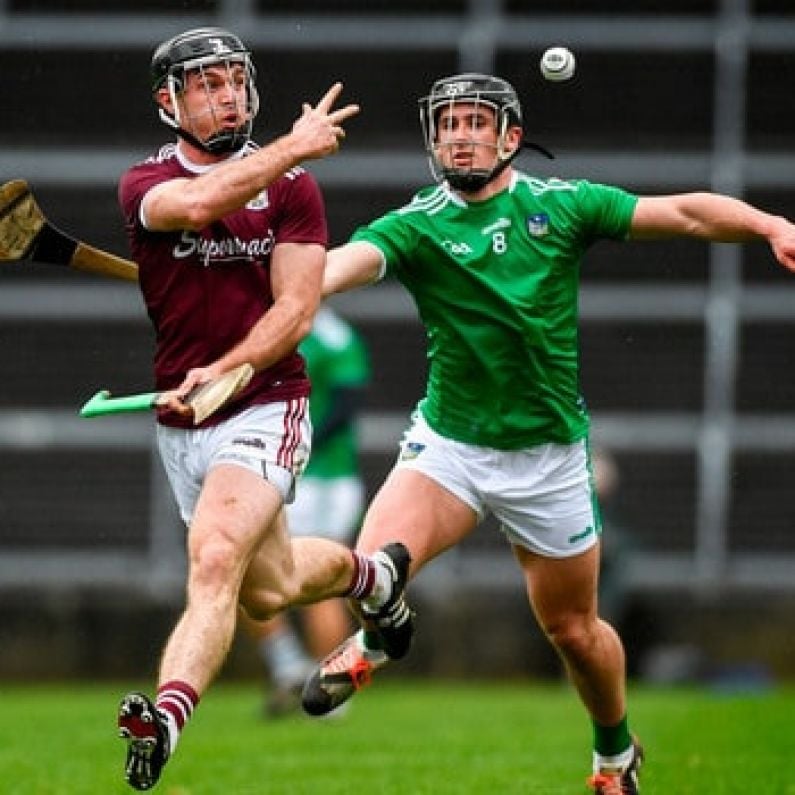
(230, 243)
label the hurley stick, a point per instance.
(26, 234)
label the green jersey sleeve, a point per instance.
(604, 211)
(394, 233)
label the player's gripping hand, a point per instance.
(176, 400)
(318, 131)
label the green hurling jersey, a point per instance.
(335, 356)
(496, 286)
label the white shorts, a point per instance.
(327, 507)
(543, 497)
(272, 440)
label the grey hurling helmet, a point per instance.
(479, 89)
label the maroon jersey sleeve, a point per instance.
(136, 181)
(302, 214)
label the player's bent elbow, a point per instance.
(304, 325)
(198, 215)
(301, 313)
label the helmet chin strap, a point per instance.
(220, 143)
(217, 144)
(476, 179)
(542, 150)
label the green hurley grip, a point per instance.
(102, 403)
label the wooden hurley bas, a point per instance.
(26, 234)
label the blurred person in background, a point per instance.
(230, 242)
(491, 256)
(329, 502)
(616, 543)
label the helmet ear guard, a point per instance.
(478, 89)
(194, 50)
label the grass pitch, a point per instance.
(402, 738)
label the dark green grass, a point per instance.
(402, 738)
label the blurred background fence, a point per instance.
(686, 347)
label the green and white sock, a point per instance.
(370, 649)
(612, 746)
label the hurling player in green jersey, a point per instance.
(491, 257)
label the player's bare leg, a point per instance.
(562, 593)
(235, 511)
(289, 664)
(237, 536)
(417, 512)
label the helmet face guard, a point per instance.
(471, 89)
(195, 51)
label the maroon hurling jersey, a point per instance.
(204, 290)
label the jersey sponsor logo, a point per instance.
(580, 536)
(226, 249)
(259, 202)
(219, 46)
(167, 152)
(410, 450)
(538, 224)
(459, 87)
(499, 224)
(456, 249)
(249, 441)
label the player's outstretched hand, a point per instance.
(782, 241)
(318, 131)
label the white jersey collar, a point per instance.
(514, 181)
(203, 168)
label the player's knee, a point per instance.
(262, 604)
(215, 561)
(572, 636)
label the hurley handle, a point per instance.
(94, 260)
(102, 403)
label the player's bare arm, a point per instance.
(715, 217)
(296, 272)
(195, 203)
(352, 265)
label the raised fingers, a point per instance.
(326, 102)
(343, 114)
(329, 98)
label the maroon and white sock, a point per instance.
(175, 702)
(371, 583)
